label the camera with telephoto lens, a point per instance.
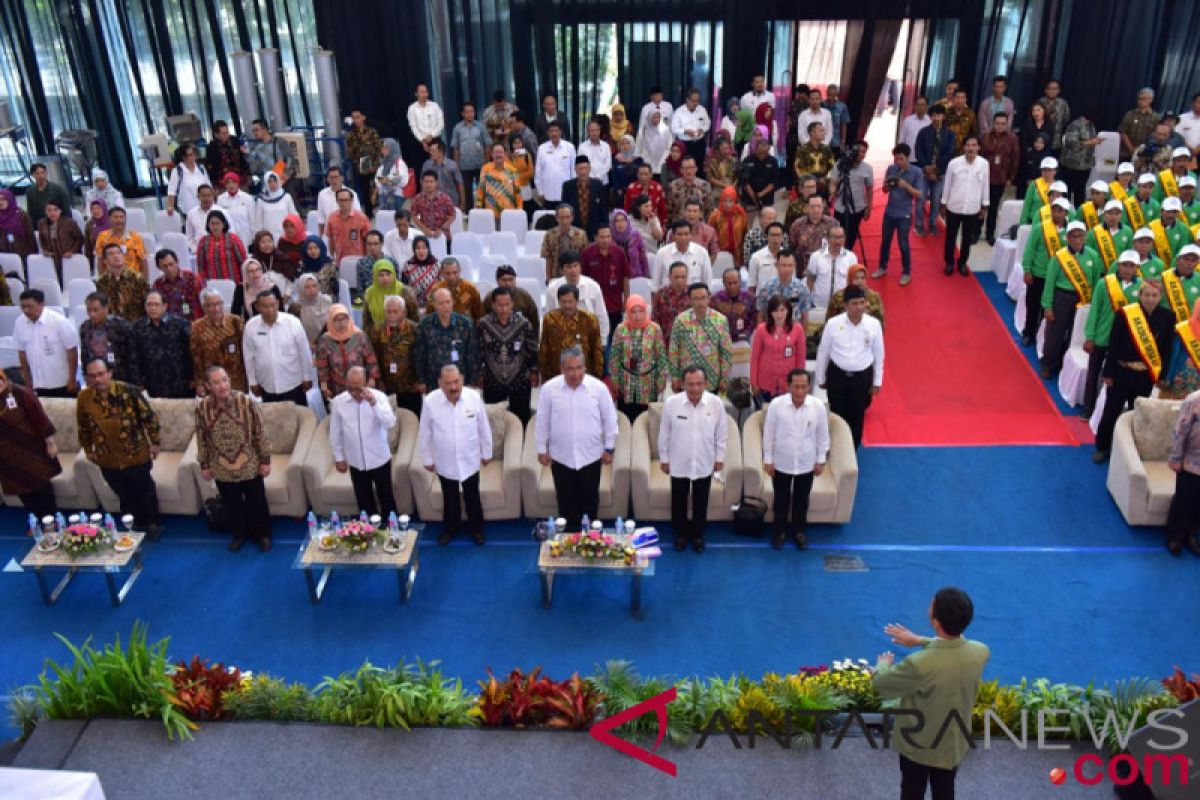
(891, 181)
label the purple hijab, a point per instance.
(631, 242)
(102, 224)
(10, 218)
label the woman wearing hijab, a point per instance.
(672, 168)
(856, 276)
(629, 239)
(391, 177)
(97, 223)
(730, 221)
(272, 205)
(16, 228)
(421, 271)
(220, 254)
(102, 189)
(60, 237)
(254, 282)
(262, 250)
(316, 261)
(744, 129)
(729, 120)
(624, 168)
(1183, 375)
(28, 455)
(339, 348)
(291, 245)
(384, 284)
(394, 340)
(637, 361)
(311, 306)
(759, 134)
(618, 125)
(654, 142)
(764, 115)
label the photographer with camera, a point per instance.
(903, 184)
(853, 181)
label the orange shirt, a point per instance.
(347, 235)
(133, 246)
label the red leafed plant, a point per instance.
(1184, 690)
(200, 687)
(526, 700)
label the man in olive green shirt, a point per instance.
(1061, 297)
(1034, 261)
(939, 680)
(1100, 321)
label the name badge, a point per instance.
(11, 238)
(353, 236)
(517, 345)
(741, 323)
(48, 347)
(681, 416)
(787, 351)
(11, 402)
(111, 357)
(996, 160)
(393, 368)
(187, 309)
(454, 355)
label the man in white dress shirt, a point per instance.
(425, 118)
(238, 207)
(850, 361)
(456, 442)
(575, 431)
(757, 95)
(327, 198)
(279, 362)
(691, 448)
(683, 249)
(828, 271)
(359, 421)
(195, 222)
(965, 199)
(762, 263)
(47, 347)
(914, 122)
(554, 166)
(814, 113)
(598, 153)
(795, 446)
(690, 124)
(591, 296)
(398, 242)
(656, 103)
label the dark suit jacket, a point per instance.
(541, 127)
(599, 205)
(924, 148)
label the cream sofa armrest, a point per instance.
(735, 472)
(640, 464)
(510, 464)
(1127, 481)
(843, 463)
(402, 485)
(622, 462)
(189, 470)
(317, 459)
(531, 470)
(752, 456)
(297, 496)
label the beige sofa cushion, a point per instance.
(167, 475)
(1160, 482)
(61, 412)
(653, 423)
(1154, 427)
(177, 423)
(393, 434)
(276, 484)
(497, 414)
(281, 423)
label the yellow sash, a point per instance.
(1143, 339)
(1169, 186)
(1043, 190)
(1162, 244)
(1090, 217)
(1115, 293)
(1108, 248)
(1050, 237)
(1196, 231)
(1044, 213)
(1076, 275)
(1191, 343)
(1134, 209)
(1118, 191)
(1176, 295)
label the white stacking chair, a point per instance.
(536, 289)
(385, 220)
(1015, 281)
(348, 270)
(723, 261)
(488, 264)
(1072, 380)
(545, 212)
(77, 215)
(11, 263)
(15, 287)
(40, 268)
(481, 221)
(456, 224)
(643, 288)
(1010, 214)
(344, 293)
(173, 240)
(8, 319)
(135, 219)
(1107, 156)
(437, 246)
(76, 267)
(78, 315)
(469, 267)
(151, 242)
(531, 267)
(532, 243)
(51, 289)
(467, 244)
(514, 221)
(166, 223)
(77, 291)
(485, 288)
(225, 288)
(312, 223)
(153, 273)
(716, 285)
(504, 244)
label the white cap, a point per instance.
(1187, 180)
(1143, 233)
(1062, 203)
(1099, 186)
(1172, 204)
(1113, 205)
(1076, 226)
(1189, 250)
(1058, 186)
(1125, 168)
(1181, 152)
(1145, 177)
(1129, 257)
(1049, 162)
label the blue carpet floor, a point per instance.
(1063, 588)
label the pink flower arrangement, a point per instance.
(595, 545)
(83, 538)
(357, 536)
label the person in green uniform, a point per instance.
(1181, 157)
(1177, 231)
(1034, 261)
(1185, 270)
(1187, 196)
(1144, 195)
(1123, 185)
(1120, 233)
(1100, 322)
(1060, 297)
(1090, 210)
(1151, 267)
(1033, 198)
(939, 680)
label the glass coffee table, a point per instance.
(549, 567)
(405, 561)
(106, 560)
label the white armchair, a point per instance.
(652, 488)
(1139, 480)
(537, 483)
(329, 489)
(72, 487)
(499, 480)
(832, 498)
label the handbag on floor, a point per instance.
(748, 518)
(216, 516)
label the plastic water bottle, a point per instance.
(33, 524)
(312, 523)
(60, 522)
(110, 524)
(362, 517)
(586, 523)
(335, 521)
(620, 523)
(393, 523)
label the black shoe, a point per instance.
(680, 544)
(1099, 457)
(949, 270)
(1086, 412)
(478, 538)
(698, 544)
(1175, 548)
(264, 544)
(154, 532)
(778, 540)
(991, 241)
(444, 538)
(236, 545)
(1026, 340)
(964, 270)
(801, 540)
(1193, 545)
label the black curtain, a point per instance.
(869, 47)
(36, 109)
(379, 64)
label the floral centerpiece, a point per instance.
(83, 538)
(357, 536)
(593, 546)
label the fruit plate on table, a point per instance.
(327, 542)
(49, 544)
(124, 544)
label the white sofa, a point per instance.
(1139, 480)
(537, 482)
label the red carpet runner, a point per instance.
(953, 374)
